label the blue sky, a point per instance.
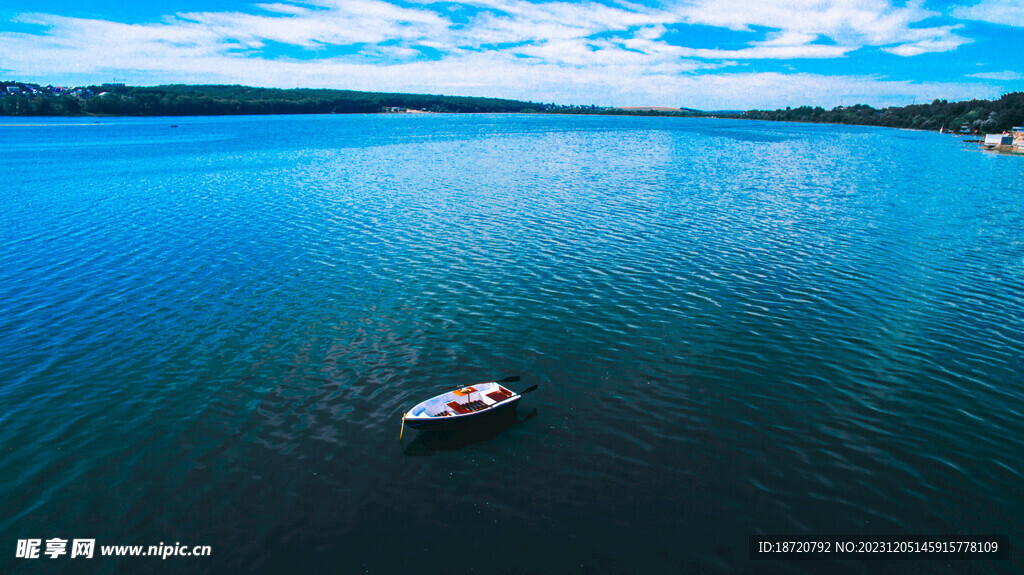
(708, 54)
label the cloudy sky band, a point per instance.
(712, 54)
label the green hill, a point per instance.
(24, 99)
(982, 116)
(213, 100)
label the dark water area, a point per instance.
(209, 334)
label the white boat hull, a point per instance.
(463, 407)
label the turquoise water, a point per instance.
(209, 334)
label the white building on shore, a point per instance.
(1012, 141)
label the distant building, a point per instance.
(998, 140)
(1005, 142)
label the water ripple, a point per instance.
(767, 328)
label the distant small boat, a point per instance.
(464, 407)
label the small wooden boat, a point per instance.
(464, 407)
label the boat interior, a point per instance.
(463, 401)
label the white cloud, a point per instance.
(762, 52)
(1006, 75)
(1006, 12)
(931, 40)
(350, 22)
(518, 21)
(849, 23)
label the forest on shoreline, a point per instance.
(26, 99)
(978, 116)
(220, 100)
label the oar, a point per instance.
(403, 429)
(528, 390)
(509, 379)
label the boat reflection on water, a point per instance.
(430, 442)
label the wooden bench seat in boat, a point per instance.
(501, 395)
(457, 407)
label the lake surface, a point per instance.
(209, 334)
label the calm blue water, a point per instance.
(209, 334)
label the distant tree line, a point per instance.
(22, 99)
(184, 100)
(981, 116)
